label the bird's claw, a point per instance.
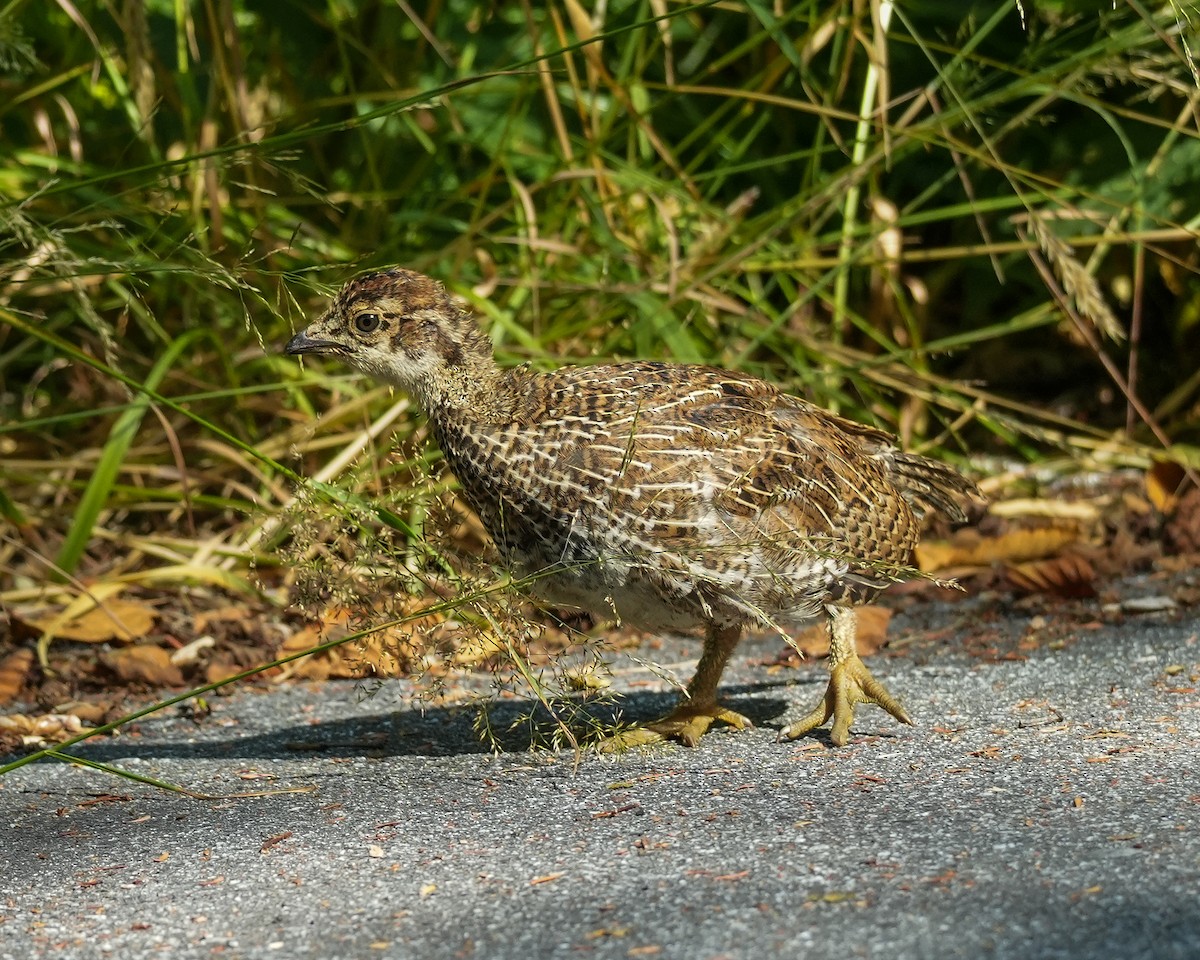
(687, 723)
(850, 683)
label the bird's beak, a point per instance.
(303, 343)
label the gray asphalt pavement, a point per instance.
(1047, 805)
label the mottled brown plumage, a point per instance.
(675, 496)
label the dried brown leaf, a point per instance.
(318, 666)
(46, 728)
(240, 613)
(478, 650)
(221, 668)
(871, 637)
(382, 653)
(89, 712)
(812, 641)
(1069, 575)
(144, 663)
(872, 629)
(1164, 482)
(1081, 512)
(14, 669)
(114, 619)
(1014, 546)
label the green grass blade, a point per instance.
(95, 497)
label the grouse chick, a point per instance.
(675, 496)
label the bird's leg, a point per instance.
(689, 721)
(850, 683)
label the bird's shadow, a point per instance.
(429, 731)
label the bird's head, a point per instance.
(400, 327)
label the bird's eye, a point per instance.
(367, 323)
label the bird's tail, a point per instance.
(930, 485)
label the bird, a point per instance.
(677, 497)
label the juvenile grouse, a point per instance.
(676, 496)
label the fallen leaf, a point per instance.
(114, 619)
(1068, 575)
(740, 875)
(871, 637)
(221, 669)
(274, 840)
(206, 618)
(145, 663)
(1025, 507)
(381, 653)
(585, 679)
(812, 641)
(185, 656)
(13, 670)
(1152, 604)
(90, 713)
(47, 728)
(1164, 483)
(478, 649)
(606, 932)
(934, 555)
(969, 549)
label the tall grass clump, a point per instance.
(972, 224)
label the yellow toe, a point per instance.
(850, 683)
(687, 723)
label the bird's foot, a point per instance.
(687, 723)
(850, 683)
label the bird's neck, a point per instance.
(475, 390)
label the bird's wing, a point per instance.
(695, 456)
